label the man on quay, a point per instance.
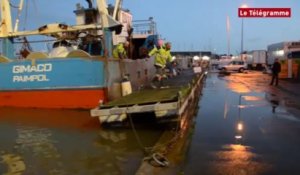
(276, 68)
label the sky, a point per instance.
(190, 25)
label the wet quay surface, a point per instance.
(245, 127)
(61, 142)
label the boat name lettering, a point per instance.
(37, 68)
(30, 78)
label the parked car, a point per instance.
(239, 66)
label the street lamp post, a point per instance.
(242, 36)
(242, 32)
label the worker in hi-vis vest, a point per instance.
(161, 57)
(119, 51)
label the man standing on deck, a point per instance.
(161, 59)
(119, 51)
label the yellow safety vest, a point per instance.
(161, 56)
(119, 49)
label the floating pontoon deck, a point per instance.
(168, 102)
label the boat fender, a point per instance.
(126, 87)
(160, 159)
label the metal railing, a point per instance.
(144, 27)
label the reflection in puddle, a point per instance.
(252, 98)
(238, 88)
(274, 104)
(280, 107)
(251, 105)
(273, 100)
(283, 114)
(238, 159)
(239, 131)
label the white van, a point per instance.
(240, 66)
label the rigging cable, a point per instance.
(36, 41)
(154, 158)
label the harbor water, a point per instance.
(38, 141)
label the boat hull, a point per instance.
(69, 82)
(67, 98)
(53, 83)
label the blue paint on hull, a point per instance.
(58, 73)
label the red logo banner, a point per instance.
(264, 12)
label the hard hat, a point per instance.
(160, 42)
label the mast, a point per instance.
(117, 6)
(19, 14)
(6, 29)
(228, 35)
(102, 8)
(6, 22)
(107, 34)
